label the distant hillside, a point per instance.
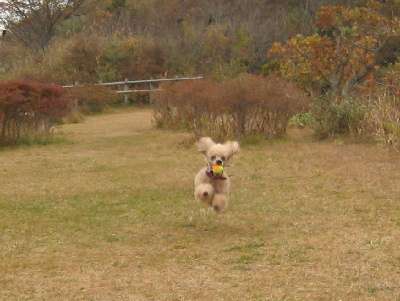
(92, 40)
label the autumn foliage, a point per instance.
(91, 98)
(356, 89)
(347, 47)
(27, 108)
(241, 107)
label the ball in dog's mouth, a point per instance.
(218, 169)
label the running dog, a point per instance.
(211, 188)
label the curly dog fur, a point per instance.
(210, 188)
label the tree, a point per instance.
(346, 49)
(34, 22)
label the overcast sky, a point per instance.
(1, 13)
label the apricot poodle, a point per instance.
(212, 188)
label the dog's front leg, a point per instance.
(204, 192)
(219, 202)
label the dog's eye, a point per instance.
(223, 158)
(213, 157)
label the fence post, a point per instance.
(150, 94)
(76, 99)
(126, 88)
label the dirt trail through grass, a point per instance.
(109, 215)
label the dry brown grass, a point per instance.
(110, 216)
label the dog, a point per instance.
(210, 188)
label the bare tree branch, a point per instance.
(34, 22)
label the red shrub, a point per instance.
(52, 105)
(91, 98)
(184, 105)
(27, 107)
(247, 105)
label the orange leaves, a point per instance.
(327, 17)
(344, 51)
(306, 59)
(276, 49)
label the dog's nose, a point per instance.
(219, 162)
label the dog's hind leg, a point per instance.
(219, 202)
(204, 192)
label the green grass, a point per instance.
(110, 215)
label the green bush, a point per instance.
(302, 120)
(334, 116)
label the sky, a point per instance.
(1, 13)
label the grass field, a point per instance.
(109, 214)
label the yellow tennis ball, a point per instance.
(218, 169)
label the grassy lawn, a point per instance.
(110, 215)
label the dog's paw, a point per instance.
(204, 193)
(217, 208)
(219, 203)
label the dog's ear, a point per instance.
(205, 144)
(232, 146)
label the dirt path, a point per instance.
(109, 125)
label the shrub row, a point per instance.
(29, 108)
(92, 98)
(241, 107)
(372, 117)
